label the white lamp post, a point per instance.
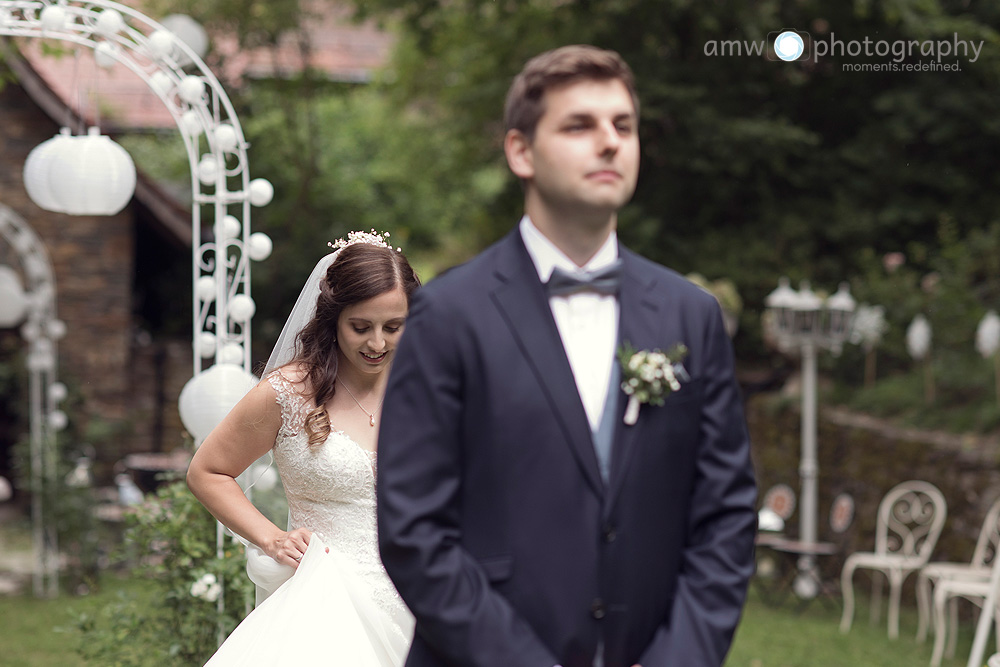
(802, 322)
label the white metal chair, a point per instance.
(909, 523)
(954, 580)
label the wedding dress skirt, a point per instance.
(322, 615)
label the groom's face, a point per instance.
(584, 156)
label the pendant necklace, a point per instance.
(371, 415)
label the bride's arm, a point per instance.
(247, 433)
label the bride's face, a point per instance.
(367, 332)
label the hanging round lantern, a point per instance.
(205, 288)
(189, 31)
(106, 55)
(260, 246)
(242, 308)
(38, 167)
(161, 43)
(261, 192)
(110, 23)
(192, 122)
(92, 176)
(226, 137)
(209, 396)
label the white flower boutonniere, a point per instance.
(650, 376)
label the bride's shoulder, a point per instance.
(290, 378)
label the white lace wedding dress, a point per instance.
(339, 608)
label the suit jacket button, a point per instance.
(597, 609)
(609, 534)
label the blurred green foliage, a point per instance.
(751, 168)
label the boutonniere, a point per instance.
(650, 376)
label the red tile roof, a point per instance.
(119, 100)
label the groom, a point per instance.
(527, 516)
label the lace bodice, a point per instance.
(330, 490)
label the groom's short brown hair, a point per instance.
(525, 105)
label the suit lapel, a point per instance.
(640, 325)
(524, 306)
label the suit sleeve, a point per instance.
(718, 559)
(459, 615)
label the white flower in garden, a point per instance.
(206, 587)
(213, 592)
(869, 326)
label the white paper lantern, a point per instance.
(988, 334)
(231, 353)
(56, 329)
(192, 89)
(209, 396)
(263, 477)
(242, 308)
(161, 83)
(93, 176)
(208, 169)
(110, 23)
(57, 392)
(205, 288)
(188, 31)
(57, 420)
(53, 18)
(192, 122)
(31, 332)
(206, 344)
(13, 301)
(229, 227)
(918, 337)
(106, 55)
(226, 137)
(261, 192)
(38, 170)
(161, 43)
(259, 246)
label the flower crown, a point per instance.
(374, 238)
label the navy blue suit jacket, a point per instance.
(494, 522)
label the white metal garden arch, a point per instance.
(222, 191)
(41, 330)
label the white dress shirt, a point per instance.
(587, 321)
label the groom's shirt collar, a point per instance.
(546, 256)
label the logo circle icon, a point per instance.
(789, 46)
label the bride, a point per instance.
(318, 411)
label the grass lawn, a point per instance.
(785, 636)
(39, 633)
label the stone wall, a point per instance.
(866, 457)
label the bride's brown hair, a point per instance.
(362, 271)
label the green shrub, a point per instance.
(178, 622)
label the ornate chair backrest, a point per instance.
(910, 519)
(989, 538)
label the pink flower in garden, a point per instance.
(893, 260)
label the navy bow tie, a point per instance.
(602, 281)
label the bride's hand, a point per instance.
(289, 548)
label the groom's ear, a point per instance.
(520, 159)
